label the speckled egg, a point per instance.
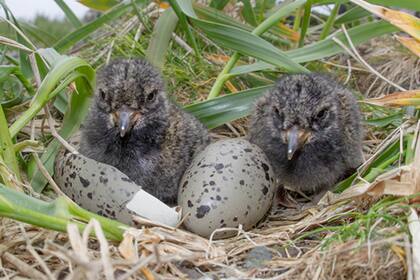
(229, 183)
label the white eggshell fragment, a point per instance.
(231, 182)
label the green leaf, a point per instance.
(245, 42)
(7, 151)
(395, 119)
(161, 36)
(224, 109)
(218, 4)
(69, 13)
(405, 4)
(185, 27)
(99, 5)
(248, 13)
(305, 22)
(217, 16)
(49, 88)
(326, 47)
(67, 42)
(351, 15)
(249, 44)
(55, 215)
(38, 34)
(64, 71)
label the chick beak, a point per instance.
(296, 138)
(125, 121)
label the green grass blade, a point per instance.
(38, 34)
(161, 36)
(245, 42)
(99, 5)
(55, 215)
(213, 15)
(305, 22)
(64, 71)
(67, 42)
(224, 109)
(413, 5)
(326, 47)
(69, 13)
(329, 23)
(185, 27)
(351, 15)
(218, 4)
(248, 13)
(7, 151)
(61, 70)
(249, 44)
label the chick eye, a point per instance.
(102, 94)
(321, 115)
(152, 96)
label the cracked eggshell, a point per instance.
(95, 186)
(231, 182)
(105, 190)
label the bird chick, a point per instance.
(133, 126)
(310, 129)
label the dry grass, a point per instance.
(160, 253)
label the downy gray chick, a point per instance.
(310, 128)
(134, 127)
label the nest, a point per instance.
(168, 253)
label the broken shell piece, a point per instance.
(105, 190)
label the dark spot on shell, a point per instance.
(265, 166)
(248, 150)
(102, 173)
(185, 184)
(126, 179)
(246, 213)
(235, 219)
(222, 221)
(72, 175)
(218, 197)
(103, 180)
(206, 190)
(89, 195)
(225, 198)
(85, 183)
(212, 183)
(242, 182)
(190, 204)
(267, 176)
(219, 166)
(202, 211)
(223, 225)
(218, 189)
(235, 157)
(265, 190)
